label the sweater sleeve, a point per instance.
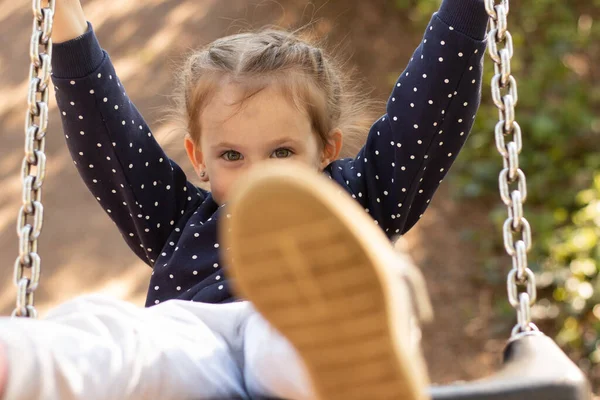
(142, 190)
(429, 115)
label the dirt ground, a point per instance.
(82, 251)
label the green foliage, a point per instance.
(557, 48)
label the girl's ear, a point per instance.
(332, 148)
(194, 153)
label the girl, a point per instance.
(247, 99)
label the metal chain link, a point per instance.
(33, 170)
(516, 230)
(34, 163)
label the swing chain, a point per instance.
(33, 170)
(516, 229)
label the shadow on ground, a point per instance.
(82, 250)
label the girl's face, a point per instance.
(266, 128)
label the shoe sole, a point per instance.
(310, 264)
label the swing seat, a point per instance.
(534, 368)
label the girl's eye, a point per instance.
(282, 153)
(231, 155)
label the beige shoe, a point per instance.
(317, 267)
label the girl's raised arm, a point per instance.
(429, 116)
(69, 21)
(141, 189)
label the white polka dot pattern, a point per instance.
(171, 224)
(411, 148)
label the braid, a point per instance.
(303, 72)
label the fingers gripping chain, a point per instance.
(516, 230)
(33, 171)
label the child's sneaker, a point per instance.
(317, 267)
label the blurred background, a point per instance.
(458, 243)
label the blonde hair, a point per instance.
(302, 71)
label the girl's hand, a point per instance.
(69, 21)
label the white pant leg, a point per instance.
(99, 348)
(272, 366)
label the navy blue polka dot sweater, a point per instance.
(172, 225)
